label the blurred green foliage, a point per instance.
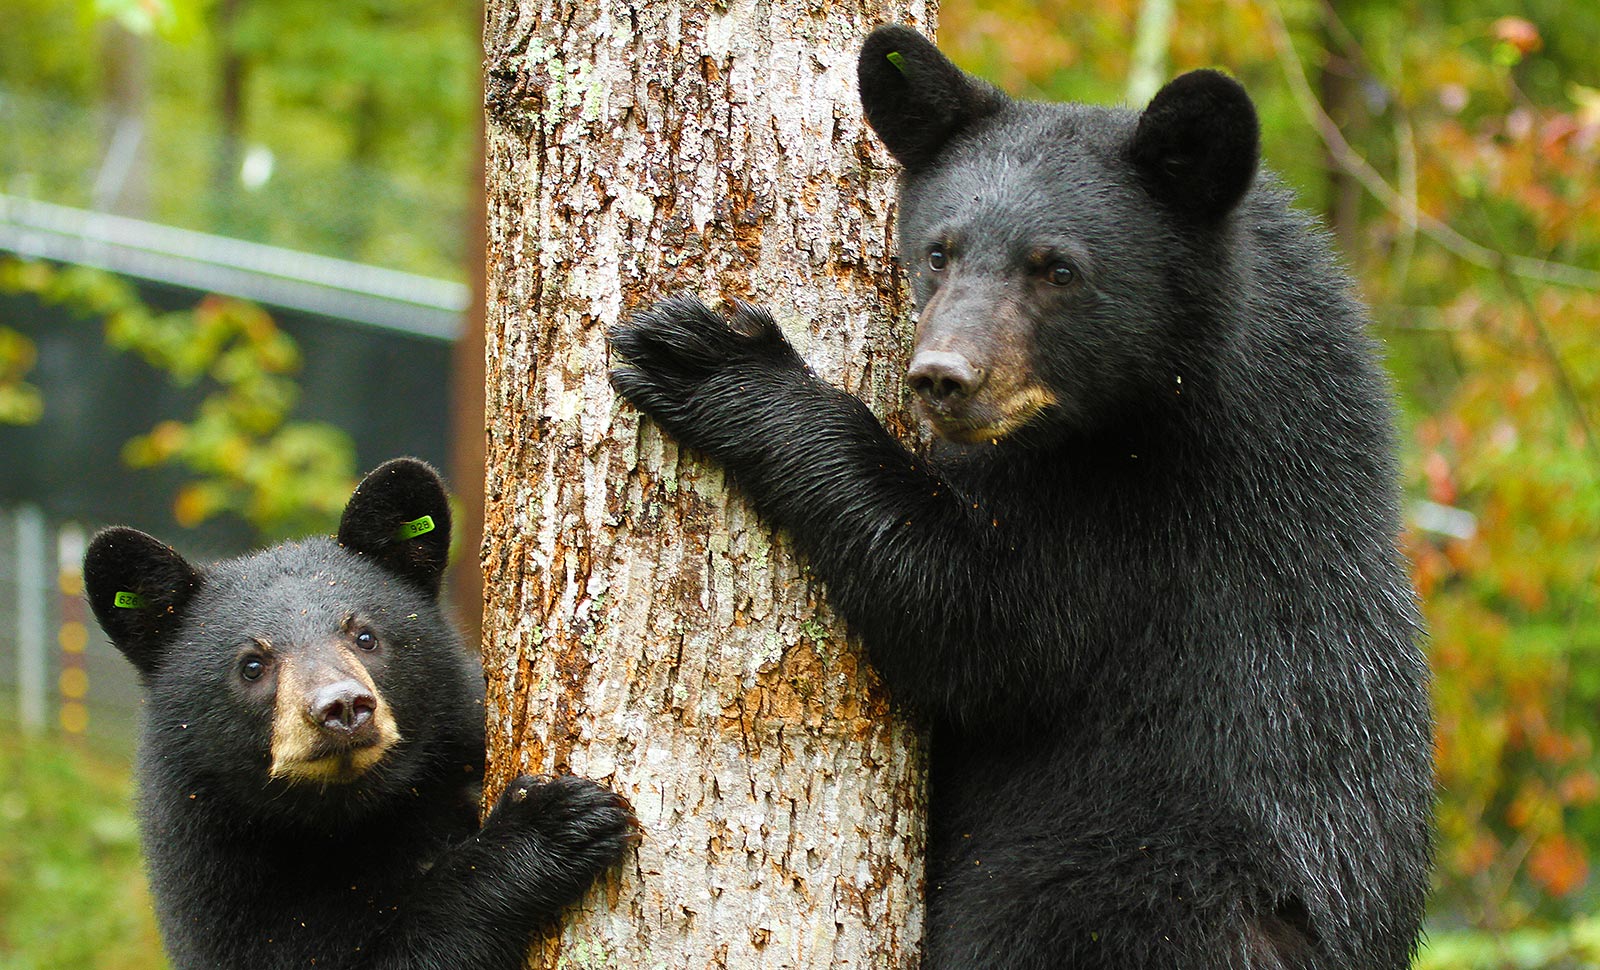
(242, 453)
(351, 134)
(1572, 946)
(20, 402)
(72, 892)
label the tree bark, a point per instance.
(642, 627)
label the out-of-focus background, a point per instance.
(235, 243)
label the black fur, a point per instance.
(387, 872)
(1161, 628)
(1197, 144)
(399, 491)
(130, 563)
(914, 97)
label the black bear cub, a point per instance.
(1146, 584)
(312, 752)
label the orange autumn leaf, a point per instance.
(1559, 864)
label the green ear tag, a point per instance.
(129, 601)
(414, 528)
(898, 61)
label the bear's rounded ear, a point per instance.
(399, 517)
(1197, 144)
(138, 588)
(914, 97)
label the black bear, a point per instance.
(312, 752)
(1146, 584)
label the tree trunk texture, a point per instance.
(642, 627)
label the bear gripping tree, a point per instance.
(642, 627)
(1146, 582)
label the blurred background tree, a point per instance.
(1452, 148)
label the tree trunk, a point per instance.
(232, 70)
(642, 627)
(1337, 90)
(122, 185)
(1151, 42)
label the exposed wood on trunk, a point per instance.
(641, 625)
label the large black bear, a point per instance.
(1146, 586)
(312, 753)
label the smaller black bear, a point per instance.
(1146, 585)
(312, 753)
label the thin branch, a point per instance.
(1406, 175)
(1567, 387)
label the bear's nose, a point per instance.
(941, 377)
(344, 707)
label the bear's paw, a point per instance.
(580, 824)
(681, 362)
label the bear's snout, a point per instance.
(343, 709)
(332, 722)
(943, 378)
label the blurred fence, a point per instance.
(58, 673)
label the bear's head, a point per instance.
(308, 677)
(1065, 258)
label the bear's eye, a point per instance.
(251, 668)
(1059, 274)
(366, 640)
(936, 259)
